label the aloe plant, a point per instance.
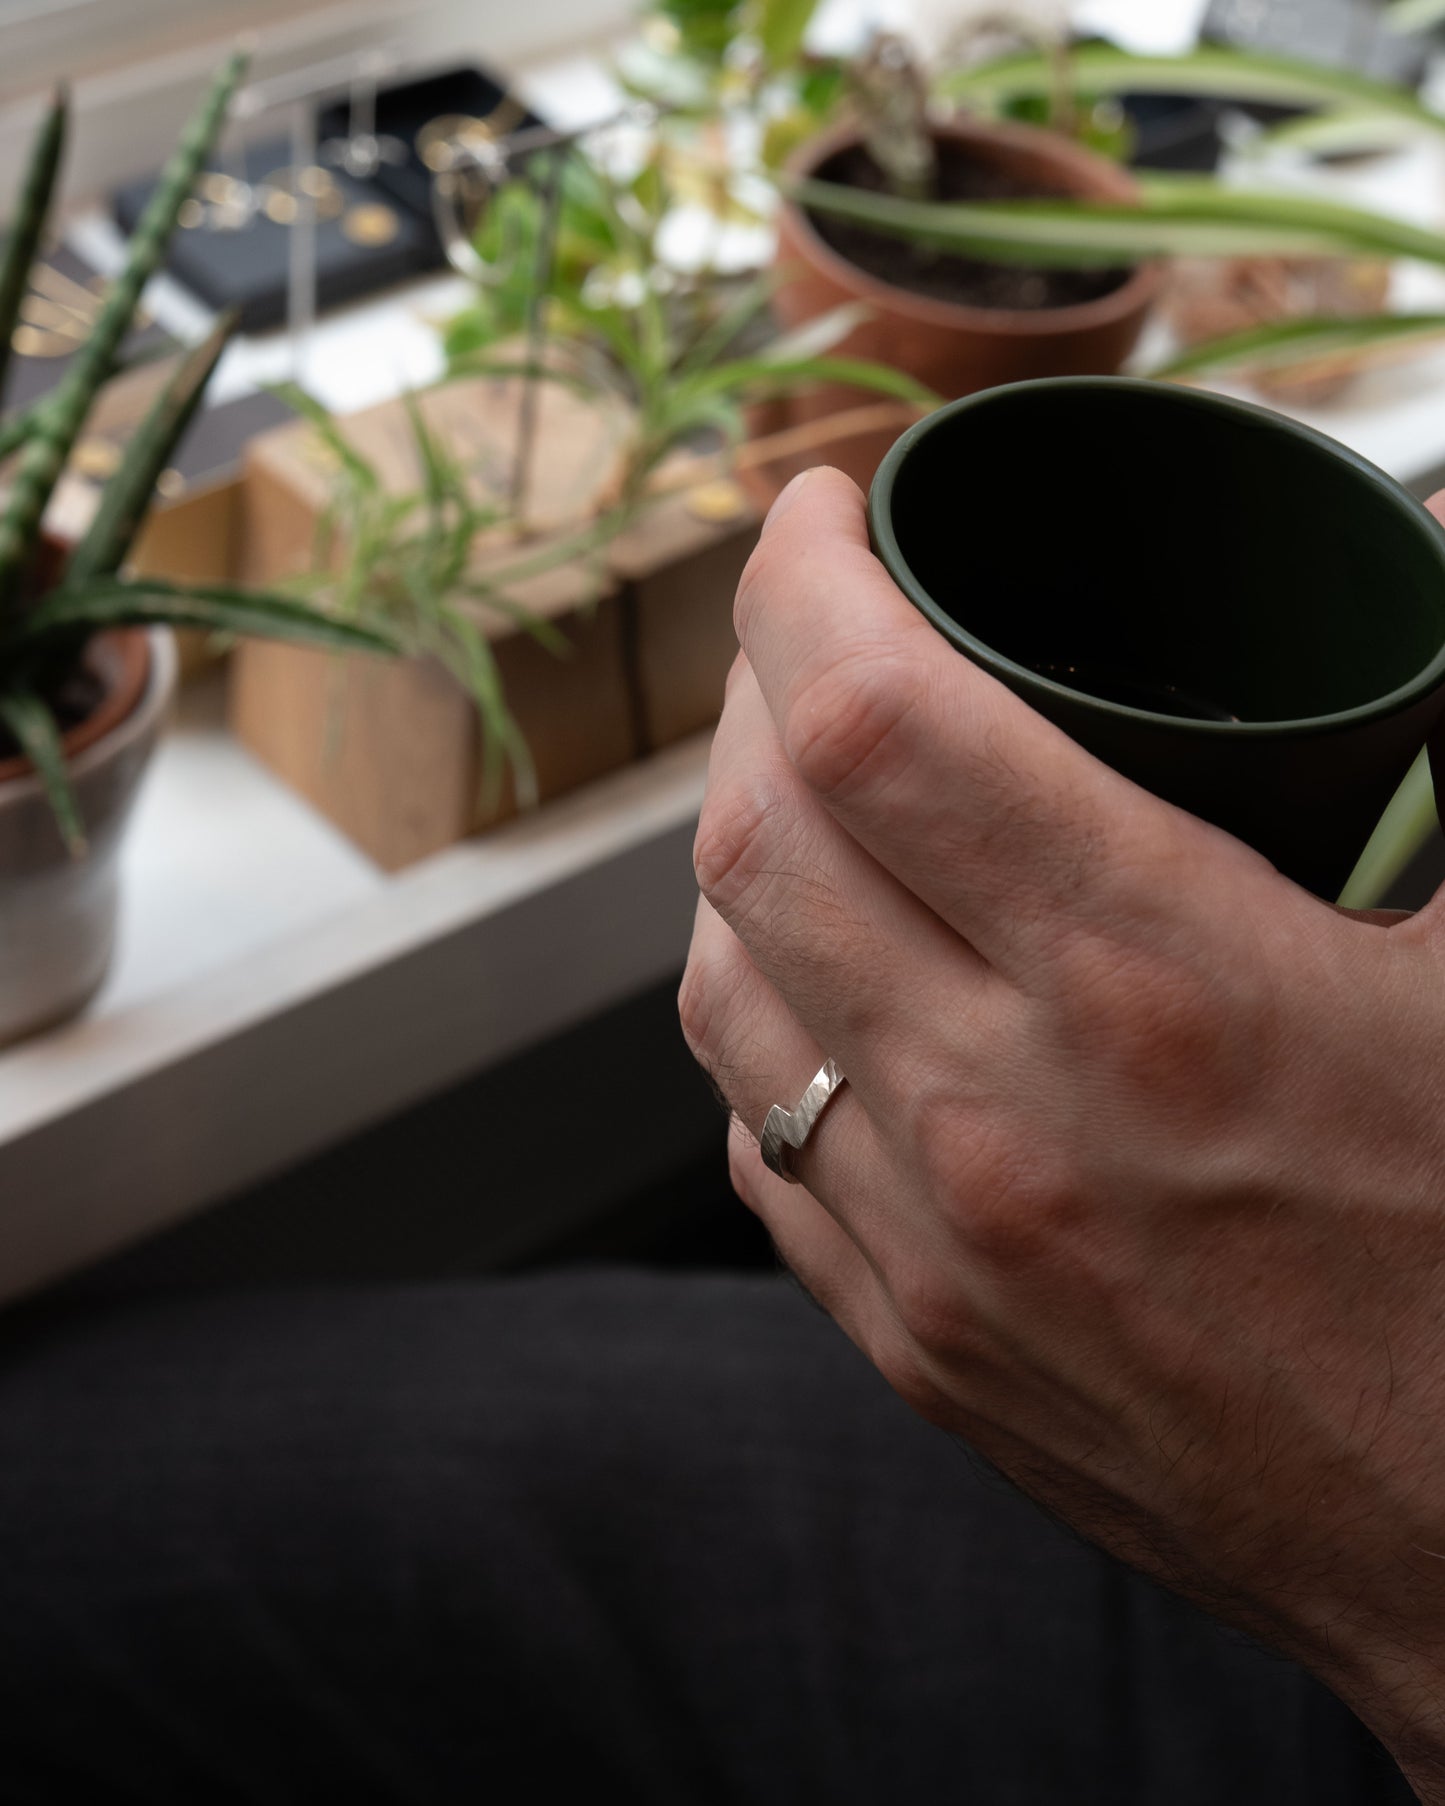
(44, 634)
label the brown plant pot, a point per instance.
(953, 348)
(57, 913)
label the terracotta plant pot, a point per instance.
(954, 348)
(57, 913)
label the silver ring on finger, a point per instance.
(786, 1132)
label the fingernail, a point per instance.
(786, 499)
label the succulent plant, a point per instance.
(44, 631)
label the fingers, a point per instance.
(816, 1249)
(758, 1055)
(855, 955)
(985, 811)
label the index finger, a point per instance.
(991, 815)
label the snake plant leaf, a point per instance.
(16, 428)
(47, 449)
(1413, 15)
(1301, 341)
(1181, 217)
(1211, 69)
(127, 496)
(37, 733)
(113, 602)
(32, 210)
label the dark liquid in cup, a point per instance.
(1134, 692)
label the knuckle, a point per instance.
(1011, 1198)
(930, 1309)
(1166, 1030)
(844, 729)
(759, 574)
(742, 1170)
(695, 1007)
(734, 835)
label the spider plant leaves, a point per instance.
(1174, 217)
(1285, 343)
(32, 210)
(113, 602)
(47, 449)
(1344, 131)
(764, 373)
(546, 633)
(36, 732)
(127, 496)
(340, 448)
(1406, 16)
(780, 26)
(1211, 69)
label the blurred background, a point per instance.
(421, 399)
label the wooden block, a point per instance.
(390, 749)
(681, 564)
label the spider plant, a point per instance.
(1180, 216)
(44, 632)
(1344, 110)
(688, 351)
(407, 562)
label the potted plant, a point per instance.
(85, 666)
(554, 636)
(957, 322)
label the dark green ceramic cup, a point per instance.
(1234, 611)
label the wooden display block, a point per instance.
(390, 750)
(679, 567)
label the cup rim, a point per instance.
(1414, 512)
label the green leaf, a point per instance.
(47, 450)
(1414, 15)
(1212, 69)
(766, 372)
(32, 210)
(37, 734)
(1404, 828)
(112, 602)
(16, 428)
(127, 496)
(1344, 131)
(731, 321)
(330, 435)
(781, 26)
(1175, 217)
(1303, 340)
(546, 633)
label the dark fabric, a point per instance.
(591, 1537)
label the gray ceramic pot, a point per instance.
(57, 913)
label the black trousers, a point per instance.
(592, 1537)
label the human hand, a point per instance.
(1138, 1181)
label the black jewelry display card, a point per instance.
(471, 98)
(230, 259)
(233, 247)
